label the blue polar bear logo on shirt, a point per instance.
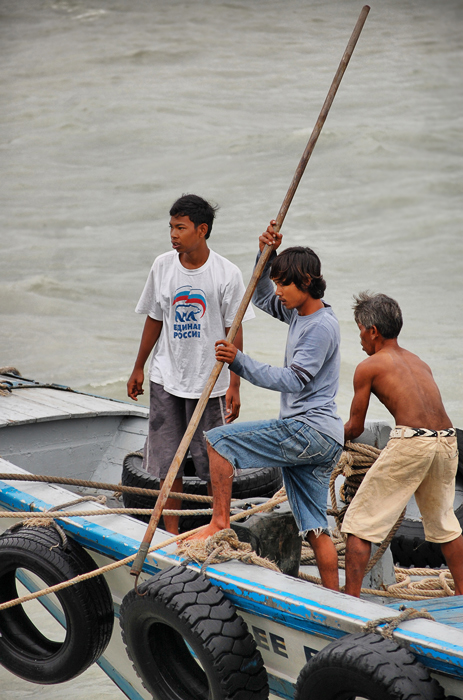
(187, 312)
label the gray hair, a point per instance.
(378, 310)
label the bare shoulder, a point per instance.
(371, 365)
(414, 361)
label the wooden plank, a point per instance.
(87, 405)
(54, 400)
(34, 405)
(94, 404)
(17, 409)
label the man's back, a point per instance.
(405, 385)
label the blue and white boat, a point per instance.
(278, 628)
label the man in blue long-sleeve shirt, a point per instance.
(306, 440)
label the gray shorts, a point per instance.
(168, 421)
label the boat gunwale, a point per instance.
(439, 652)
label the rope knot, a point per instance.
(220, 547)
(346, 462)
(226, 539)
(391, 623)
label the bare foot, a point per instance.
(211, 529)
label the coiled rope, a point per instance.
(354, 463)
(221, 547)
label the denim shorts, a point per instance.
(306, 457)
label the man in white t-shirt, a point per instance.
(191, 297)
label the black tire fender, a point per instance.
(187, 641)
(460, 450)
(409, 547)
(249, 483)
(87, 607)
(368, 666)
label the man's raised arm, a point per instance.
(358, 410)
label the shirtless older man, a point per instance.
(421, 456)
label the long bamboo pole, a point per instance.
(195, 418)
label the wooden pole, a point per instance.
(195, 418)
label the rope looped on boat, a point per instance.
(45, 519)
(391, 623)
(5, 389)
(221, 547)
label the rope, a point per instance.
(440, 586)
(106, 487)
(391, 623)
(38, 515)
(437, 584)
(274, 501)
(405, 589)
(46, 519)
(5, 389)
(221, 547)
(354, 463)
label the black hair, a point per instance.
(197, 209)
(378, 310)
(295, 265)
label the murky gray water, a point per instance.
(110, 110)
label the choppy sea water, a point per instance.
(112, 109)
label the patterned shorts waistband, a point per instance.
(421, 432)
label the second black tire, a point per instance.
(250, 483)
(187, 641)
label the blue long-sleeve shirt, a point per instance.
(309, 379)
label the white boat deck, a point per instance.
(39, 404)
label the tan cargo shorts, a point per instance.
(424, 466)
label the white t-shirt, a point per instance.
(195, 307)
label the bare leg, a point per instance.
(453, 553)
(171, 521)
(221, 484)
(327, 559)
(357, 556)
